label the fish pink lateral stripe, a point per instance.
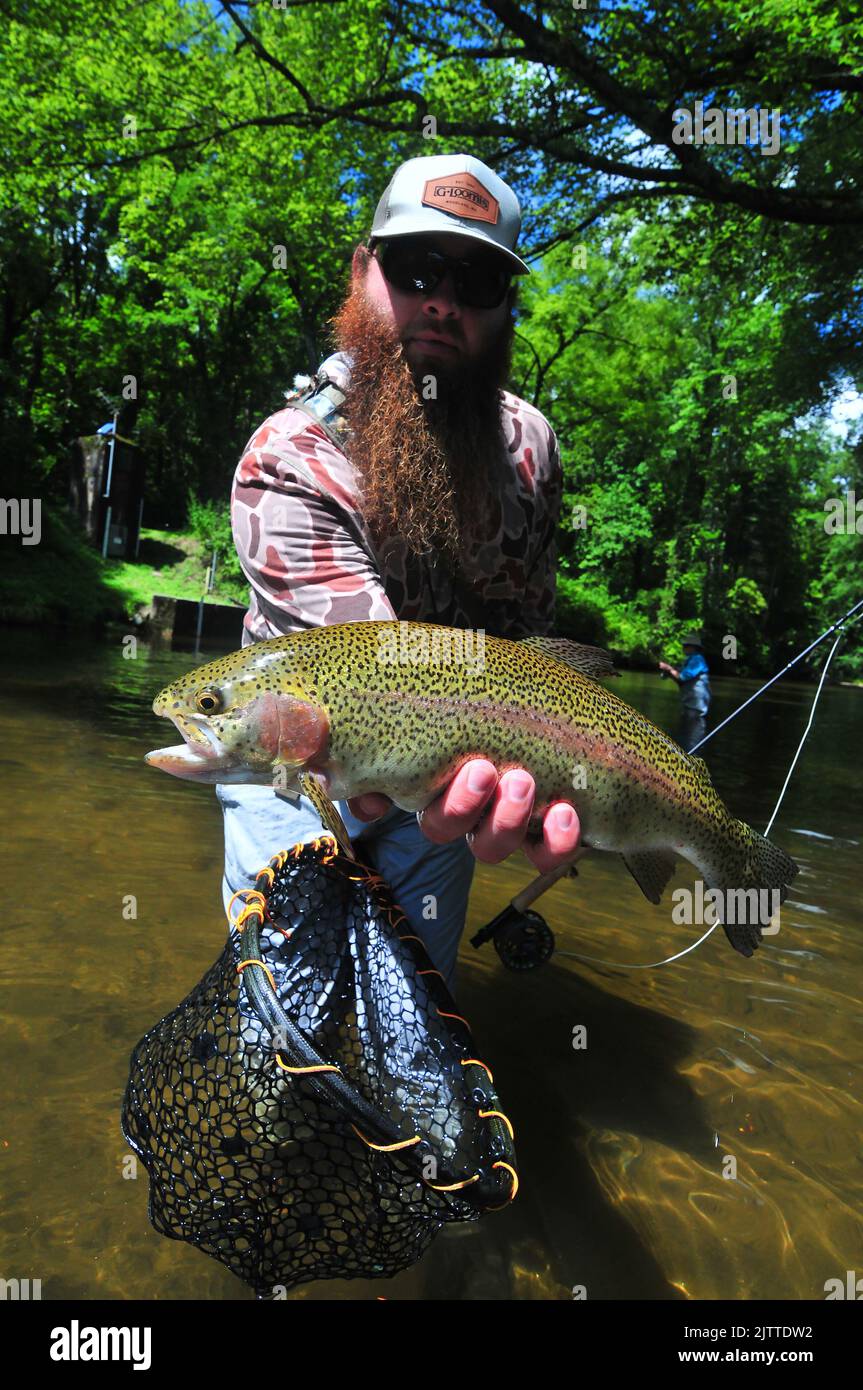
(560, 734)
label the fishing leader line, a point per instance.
(805, 734)
(838, 627)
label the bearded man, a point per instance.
(409, 484)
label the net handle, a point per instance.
(332, 1086)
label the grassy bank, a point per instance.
(173, 564)
(63, 580)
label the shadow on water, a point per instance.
(625, 1145)
(558, 1094)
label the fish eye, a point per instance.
(208, 702)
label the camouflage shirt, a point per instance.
(309, 558)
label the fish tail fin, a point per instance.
(751, 880)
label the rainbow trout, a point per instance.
(398, 707)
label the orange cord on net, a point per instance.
(452, 1186)
(302, 1071)
(387, 1148)
(511, 1198)
(245, 893)
(252, 910)
(487, 1115)
(458, 1016)
(266, 969)
(334, 848)
(475, 1062)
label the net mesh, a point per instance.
(315, 1107)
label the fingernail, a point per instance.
(519, 790)
(479, 779)
(565, 817)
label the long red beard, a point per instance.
(427, 469)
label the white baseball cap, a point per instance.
(452, 193)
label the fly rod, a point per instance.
(812, 645)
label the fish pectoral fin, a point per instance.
(328, 813)
(651, 870)
(590, 661)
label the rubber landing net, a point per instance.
(314, 1109)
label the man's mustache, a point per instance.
(430, 331)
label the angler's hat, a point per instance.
(451, 193)
(692, 639)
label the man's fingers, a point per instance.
(369, 806)
(457, 810)
(560, 836)
(503, 827)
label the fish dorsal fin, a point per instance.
(590, 661)
(651, 870)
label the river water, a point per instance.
(623, 1144)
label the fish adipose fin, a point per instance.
(651, 871)
(330, 818)
(590, 661)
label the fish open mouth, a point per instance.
(199, 758)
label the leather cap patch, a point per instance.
(462, 195)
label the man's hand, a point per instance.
(505, 805)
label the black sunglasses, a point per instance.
(480, 283)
